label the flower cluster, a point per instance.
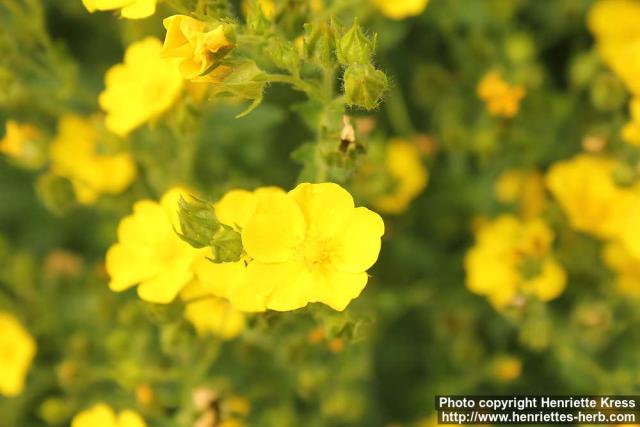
(511, 259)
(502, 99)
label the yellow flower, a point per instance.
(74, 155)
(310, 245)
(585, 189)
(400, 9)
(140, 89)
(512, 257)
(631, 131)
(132, 9)
(614, 24)
(229, 280)
(20, 142)
(268, 7)
(150, 253)
(501, 98)
(210, 314)
(101, 415)
(197, 44)
(404, 164)
(507, 368)
(626, 266)
(17, 349)
(524, 187)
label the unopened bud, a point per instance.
(198, 222)
(354, 47)
(364, 86)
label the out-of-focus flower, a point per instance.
(400, 9)
(74, 155)
(631, 131)
(59, 263)
(20, 143)
(230, 411)
(614, 24)
(626, 266)
(506, 368)
(228, 279)
(502, 99)
(268, 7)
(17, 349)
(409, 175)
(101, 415)
(150, 253)
(524, 187)
(132, 9)
(512, 257)
(310, 245)
(210, 314)
(200, 46)
(141, 88)
(585, 189)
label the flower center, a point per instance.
(316, 252)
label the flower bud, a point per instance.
(354, 47)
(320, 43)
(197, 221)
(284, 55)
(227, 245)
(56, 193)
(364, 86)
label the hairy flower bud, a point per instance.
(364, 86)
(320, 43)
(197, 221)
(355, 47)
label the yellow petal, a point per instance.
(358, 244)
(284, 286)
(127, 267)
(275, 229)
(97, 415)
(165, 286)
(235, 207)
(337, 288)
(139, 9)
(130, 418)
(325, 206)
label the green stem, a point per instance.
(311, 90)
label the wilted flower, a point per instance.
(74, 155)
(132, 9)
(310, 245)
(141, 88)
(512, 257)
(20, 143)
(200, 46)
(17, 349)
(400, 9)
(502, 99)
(149, 253)
(101, 415)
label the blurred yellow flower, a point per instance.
(210, 314)
(403, 163)
(150, 253)
(20, 143)
(614, 24)
(101, 415)
(631, 131)
(585, 189)
(524, 187)
(228, 280)
(140, 89)
(626, 266)
(310, 245)
(199, 46)
(132, 9)
(507, 368)
(512, 257)
(400, 9)
(17, 349)
(268, 7)
(502, 99)
(74, 155)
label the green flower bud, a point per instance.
(56, 193)
(284, 55)
(197, 221)
(364, 86)
(354, 47)
(320, 43)
(55, 410)
(257, 21)
(226, 245)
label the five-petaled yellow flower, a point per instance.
(502, 99)
(74, 155)
(101, 415)
(132, 9)
(17, 349)
(512, 258)
(409, 176)
(140, 89)
(310, 245)
(400, 9)
(199, 46)
(149, 253)
(20, 142)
